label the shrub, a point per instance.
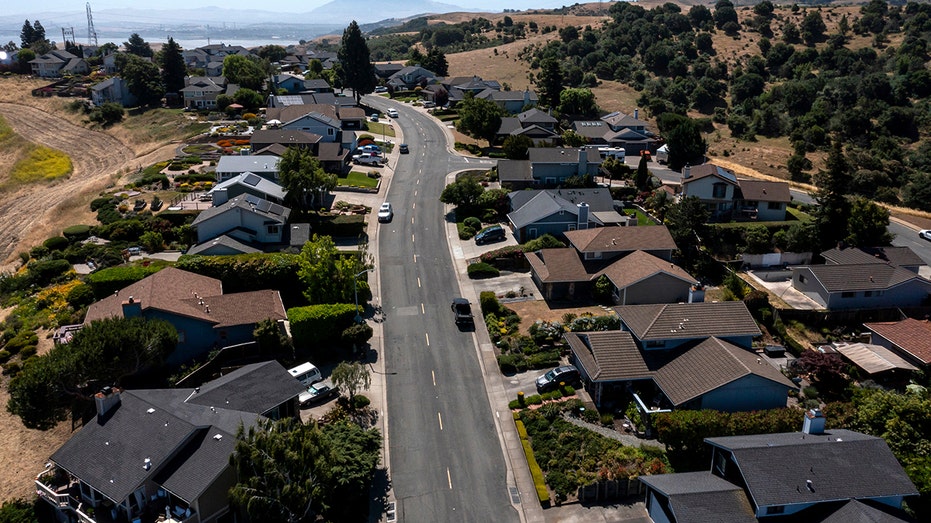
(43, 272)
(536, 472)
(317, 324)
(80, 295)
(489, 303)
(76, 232)
(473, 222)
(107, 281)
(12, 368)
(5, 356)
(512, 363)
(482, 270)
(28, 352)
(22, 341)
(465, 232)
(266, 271)
(360, 402)
(56, 243)
(356, 334)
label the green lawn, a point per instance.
(357, 179)
(642, 219)
(378, 129)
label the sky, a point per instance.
(31, 7)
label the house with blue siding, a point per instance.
(547, 167)
(534, 213)
(819, 475)
(672, 325)
(195, 305)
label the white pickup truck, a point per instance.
(366, 159)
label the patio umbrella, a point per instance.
(234, 106)
(274, 122)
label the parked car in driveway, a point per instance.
(374, 117)
(495, 233)
(367, 159)
(318, 393)
(925, 234)
(385, 212)
(381, 89)
(567, 374)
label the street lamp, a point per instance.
(355, 292)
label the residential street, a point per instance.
(446, 462)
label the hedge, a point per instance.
(42, 272)
(316, 324)
(107, 281)
(482, 270)
(56, 243)
(342, 225)
(76, 232)
(539, 482)
(266, 271)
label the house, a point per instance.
(896, 256)
(547, 167)
(247, 183)
(556, 211)
(247, 218)
(230, 166)
(880, 363)
(410, 77)
(263, 138)
(794, 476)
(386, 69)
(533, 123)
(318, 119)
(869, 284)
(709, 373)
(293, 84)
(157, 450)
(667, 326)
(605, 243)
(636, 278)
(56, 63)
(511, 102)
(908, 338)
(200, 92)
(112, 90)
(618, 130)
(222, 246)
(195, 305)
(726, 197)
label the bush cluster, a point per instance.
(318, 324)
(482, 270)
(539, 483)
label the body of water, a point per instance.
(184, 40)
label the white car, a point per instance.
(385, 212)
(367, 159)
(393, 113)
(925, 234)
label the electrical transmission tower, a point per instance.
(67, 35)
(91, 32)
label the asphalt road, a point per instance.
(446, 462)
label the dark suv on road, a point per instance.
(550, 381)
(462, 310)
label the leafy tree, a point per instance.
(143, 80)
(479, 117)
(248, 98)
(813, 27)
(601, 291)
(833, 184)
(700, 17)
(724, 12)
(137, 46)
(304, 178)
(683, 136)
(356, 335)
(791, 34)
(464, 192)
(571, 138)
(686, 223)
(826, 371)
(247, 72)
(153, 241)
(19, 511)
(268, 334)
(107, 351)
(328, 276)
(23, 57)
(356, 69)
(352, 377)
(272, 53)
(578, 101)
(867, 224)
(173, 66)
(917, 193)
(435, 61)
(550, 82)
(757, 239)
(515, 147)
(568, 34)
(108, 114)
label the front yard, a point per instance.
(357, 179)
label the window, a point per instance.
(867, 294)
(181, 337)
(848, 294)
(655, 344)
(802, 279)
(719, 190)
(720, 460)
(776, 509)
(774, 206)
(273, 229)
(329, 131)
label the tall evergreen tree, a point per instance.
(173, 68)
(435, 61)
(356, 69)
(833, 184)
(27, 35)
(38, 32)
(550, 82)
(137, 46)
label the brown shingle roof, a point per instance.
(709, 365)
(557, 265)
(911, 335)
(242, 308)
(619, 239)
(688, 320)
(640, 265)
(765, 191)
(293, 112)
(608, 355)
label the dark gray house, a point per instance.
(861, 285)
(556, 211)
(547, 167)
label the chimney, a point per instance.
(132, 308)
(636, 114)
(583, 162)
(814, 422)
(106, 400)
(687, 172)
(582, 222)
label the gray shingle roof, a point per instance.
(253, 388)
(608, 355)
(536, 116)
(841, 464)
(241, 164)
(275, 212)
(868, 276)
(514, 171)
(899, 256)
(621, 239)
(698, 497)
(765, 191)
(255, 182)
(543, 204)
(198, 464)
(222, 241)
(688, 320)
(856, 511)
(597, 199)
(560, 155)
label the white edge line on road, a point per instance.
(440, 418)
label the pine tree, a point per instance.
(27, 35)
(173, 68)
(356, 69)
(550, 82)
(831, 216)
(137, 46)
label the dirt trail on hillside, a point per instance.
(27, 211)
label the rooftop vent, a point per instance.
(218, 437)
(147, 464)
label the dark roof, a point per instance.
(331, 152)
(198, 464)
(509, 125)
(639, 265)
(560, 155)
(542, 205)
(702, 497)
(709, 365)
(856, 511)
(898, 256)
(764, 191)
(222, 241)
(559, 265)
(841, 464)
(591, 129)
(597, 199)
(536, 116)
(268, 210)
(608, 355)
(867, 276)
(688, 320)
(697, 172)
(621, 239)
(253, 388)
(911, 335)
(514, 171)
(619, 119)
(285, 137)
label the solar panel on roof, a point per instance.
(276, 209)
(263, 205)
(251, 179)
(252, 199)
